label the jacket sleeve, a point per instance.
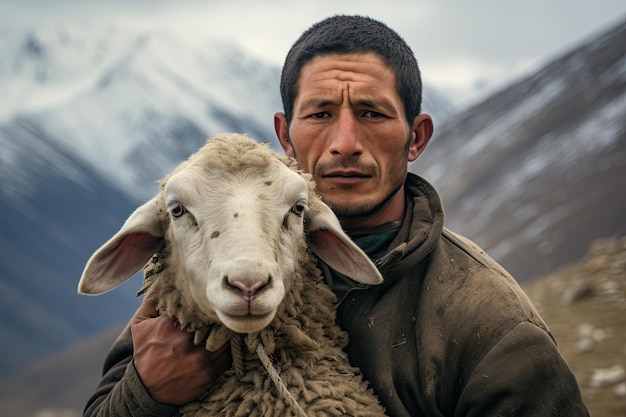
(522, 375)
(120, 392)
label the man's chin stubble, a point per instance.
(363, 210)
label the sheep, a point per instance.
(227, 247)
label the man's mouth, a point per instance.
(345, 176)
(345, 173)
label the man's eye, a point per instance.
(373, 115)
(320, 115)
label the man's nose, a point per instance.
(345, 137)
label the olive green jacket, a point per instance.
(449, 333)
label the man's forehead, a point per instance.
(335, 72)
(345, 60)
(333, 86)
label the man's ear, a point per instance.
(282, 133)
(422, 132)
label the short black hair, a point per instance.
(344, 34)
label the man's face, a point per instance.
(350, 132)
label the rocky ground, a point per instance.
(584, 305)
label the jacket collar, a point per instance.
(419, 233)
(421, 227)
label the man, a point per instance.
(449, 332)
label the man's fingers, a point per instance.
(212, 364)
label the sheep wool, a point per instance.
(305, 345)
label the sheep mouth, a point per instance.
(240, 308)
(246, 323)
(249, 310)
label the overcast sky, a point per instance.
(466, 48)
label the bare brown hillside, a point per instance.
(585, 306)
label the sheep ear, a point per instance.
(331, 244)
(125, 253)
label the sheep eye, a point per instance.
(177, 210)
(298, 209)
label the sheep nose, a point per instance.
(248, 291)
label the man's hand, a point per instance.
(172, 369)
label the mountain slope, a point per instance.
(537, 171)
(90, 118)
(43, 246)
(113, 97)
(59, 385)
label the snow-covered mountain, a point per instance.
(90, 117)
(130, 104)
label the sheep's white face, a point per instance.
(237, 237)
(235, 231)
